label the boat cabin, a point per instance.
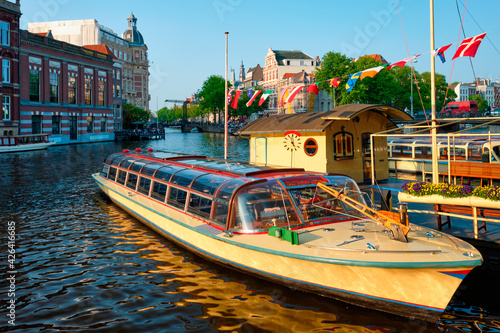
(233, 196)
(337, 141)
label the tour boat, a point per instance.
(306, 230)
(10, 144)
(413, 154)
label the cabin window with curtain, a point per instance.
(343, 147)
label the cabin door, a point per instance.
(260, 150)
(366, 151)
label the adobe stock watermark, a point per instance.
(222, 7)
(11, 273)
(47, 9)
(371, 28)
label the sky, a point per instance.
(186, 39)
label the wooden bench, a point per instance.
(464, 210)
(470, 170)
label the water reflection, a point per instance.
(83, 264)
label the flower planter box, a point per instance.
(435, 199)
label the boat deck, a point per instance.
(461, 228)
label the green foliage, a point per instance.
(334, 64)
(132, 113)
(212, 94)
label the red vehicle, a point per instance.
(462, 109)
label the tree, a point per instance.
(132, 113)
(334, 65)
(212, 95)
(444, 95)
(482, 104)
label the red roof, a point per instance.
(100, 48)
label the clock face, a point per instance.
(292, 142)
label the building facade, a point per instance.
(10, 12)
(129, 49)
(67, 90)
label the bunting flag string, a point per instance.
(467, 48)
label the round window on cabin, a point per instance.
(310, 147)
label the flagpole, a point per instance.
(435, 173)
(225, 107)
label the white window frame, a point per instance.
(6, 109)
(5, 71)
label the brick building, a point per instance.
(67, 90)
(10, 12)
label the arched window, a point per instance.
(343, 147)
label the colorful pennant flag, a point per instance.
(237, 94)
(468, 47)
(229, 95)
(254, 96)
(352, 81)
(264, 96)
(440, 52)
(370, 72)
(282, 96)
(402, 62)
(293, 93)
(249, 93)
(335, 82)
(313, 88)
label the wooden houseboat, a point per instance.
(10, 144)
(307, 230)
(334, 141)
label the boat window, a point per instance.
(227, 189)
(112, 173)
(209, 183)
(199, 205)
(262, 206)
(128, 161)
(166, 172)
(117, 158)
(144, 185)
(137, 165)
(221, 210)
(150, 168)
(185, 177)
(177, 197)
(159, 191)
(132, 181)
(122, 175)
(110, 158)
(104, 171)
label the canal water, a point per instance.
(83, 264)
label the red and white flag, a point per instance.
(402, 62)
(293, 93)
(255, 94)
(234, 103)
(468, 47)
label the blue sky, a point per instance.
(186, 38)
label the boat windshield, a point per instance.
(297, 203)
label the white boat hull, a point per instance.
(26, 147)
(412, 288)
